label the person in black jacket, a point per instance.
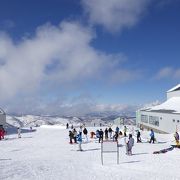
(101, 135)
(85, 134)
(138, 136)
(106, 134)
(71, 136)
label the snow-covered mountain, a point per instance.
(34, 120)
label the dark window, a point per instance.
(154, 120)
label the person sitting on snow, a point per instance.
(176, 136)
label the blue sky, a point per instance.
(77, 56)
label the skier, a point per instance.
(97, 133)
(85, 134)
(101, 135)
(152, 137)
(110, 132)
(125, 131)
(129, 145)
(74, 135)
(115, 137)
(117, 129)
(19, 132)
(176, 136)
(138, 136)
(92, 134)
(67, 126)
(71, 136)
(79, 139)
(106, 134)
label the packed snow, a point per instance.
(45, 153)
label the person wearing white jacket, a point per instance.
(129, 145)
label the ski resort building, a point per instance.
(163, 118)
(2, 118)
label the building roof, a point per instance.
(172, 105)
(175, 88)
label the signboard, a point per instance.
(109, 147)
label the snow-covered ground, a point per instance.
(46, 154)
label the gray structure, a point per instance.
(163, 118)
(2, 118)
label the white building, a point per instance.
(2, 118)
(164, 118)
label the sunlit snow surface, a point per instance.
(46, 154)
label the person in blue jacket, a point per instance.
(79, 140)
(152, 137)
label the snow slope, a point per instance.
(45, 154)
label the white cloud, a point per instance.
(115, 15)
(168, 73)
(55, 55)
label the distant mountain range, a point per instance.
(88, 119)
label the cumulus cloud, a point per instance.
(115, 15)
(167, 73)
(55, 55)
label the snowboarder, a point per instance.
(19, 132)
(79, 139)
(101, 135)
(85, 134)
(138, 136)
(176, 136)
(129, 145)
(152, 137)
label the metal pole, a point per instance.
(102, 153)
(117, 154)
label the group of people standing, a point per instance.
(77, 136)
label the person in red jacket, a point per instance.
(1, 133)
